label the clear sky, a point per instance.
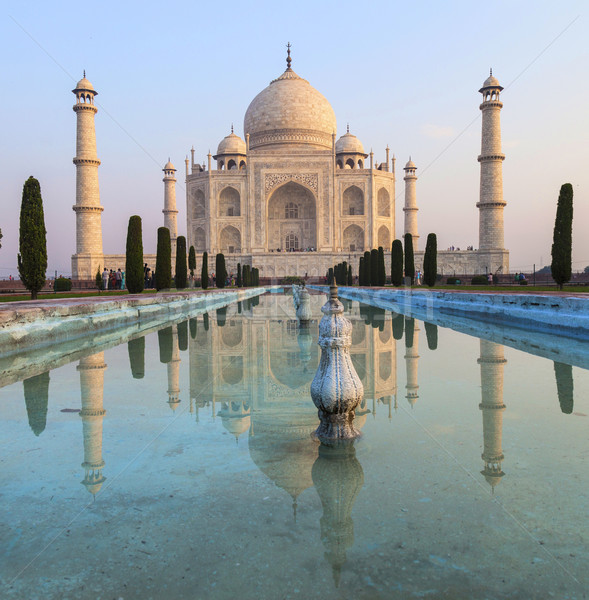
(170, 76)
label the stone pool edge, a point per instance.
(562, 315)
(46, 322)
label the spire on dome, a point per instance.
(231, 127)
(84, 73)
(288, 58)
(348, 128)
(491, 71)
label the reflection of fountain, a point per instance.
(304, 307)
(91, 371)
(336, 389)
(412, 359)
(305, 340)
(492, 363)
(338, 477)
(36, 391)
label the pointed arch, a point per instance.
(230, 240)
(384, 203)
(353, 201)
(353, 238)
(199, 211)
(384, 237)
(229, 203)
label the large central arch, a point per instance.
(292, 218)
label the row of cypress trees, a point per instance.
(371, 270)
(247, 276)
(342, 273)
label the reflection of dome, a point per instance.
(282, 448)
(349, 143)
(235, 417)
(290, 111)
(231, 144)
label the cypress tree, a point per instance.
(374, 279)
(245, 275)
(361, 271)
(36, 390)
(397, 263)
(221, 316)
(238, 280)
(192, 260)
(220, 270)
(204, 272)
(134, 275)
(181, 271)
(562, 243)
(182, 336)
(256, 273)
(367, 269)
(32, 245)
(205, 321)
(98, 279)
(163, 261)
(136, 349)
(430, 260)
(409, 260)
(431, 332)
(382, 273)
(330, 276)
(166, 344)
(398, 326)
(193, 327)
(564, 386)
(350, 277)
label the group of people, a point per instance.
(113, 280)
(454, 249)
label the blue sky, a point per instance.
(402, 74)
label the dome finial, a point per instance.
(231, 127)
(84, 73)
(347, 128)
(288, 58)
(491, 71)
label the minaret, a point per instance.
(91, 371)
(412, 361)
(174, 373)
(491, 203)
(410, 209)
(89, 256)
(170, 212)
(492, 364)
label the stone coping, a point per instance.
(29, 324)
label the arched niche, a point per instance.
(353, 201)
(198, 210)
(230, 240)
(200, 240)
(384, 203)
(384, 237)
(232, 369)
(229, 203)
(292, 214)
(232, 333)
(353, 238)
(385, 365)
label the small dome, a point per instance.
(169, 166)
(84, 86)
(231, 144)
(491, 82)
(349, 143)
(410, 165)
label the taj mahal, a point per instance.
(292, 198)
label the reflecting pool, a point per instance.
(180, 464)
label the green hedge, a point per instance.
(63, 284)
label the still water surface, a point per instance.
(181, 465)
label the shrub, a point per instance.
(62, 284)
(98, 280)
(134, 274)
(192, 260)
(294, 279)
(479, 280)
(453, 281)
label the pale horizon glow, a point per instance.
(406, 76)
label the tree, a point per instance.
(330, 276)
(204, 271)
(136, 349)
(350, 277)
(409, 331)
(181, 270)
(134, 275)
(382, 273)
(431, 332)
(564, 386)
(32, 256)
(238, 282)
(562, 243)
(397, 263)
(192, 260)
(398, 325)
(374, 267)
(361, 271)
(220, 270)
(163, 260)
(165, 338)
(430, 260)
(409, 260)
(367, 268)
(0, 238)
(36, 390)
(182, 336)
(98, 280)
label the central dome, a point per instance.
(290, 111)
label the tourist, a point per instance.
(119, 279)
(105, 279)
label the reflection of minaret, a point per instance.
(412, 360)
(36, 399)
(91, 371)
(492, 363)
(174, 372)
(338, 478)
